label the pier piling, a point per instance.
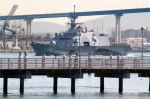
(102, 84)
(120, 85)
(149, 84)
(5, 85)
(72, 85)
(21, 85)
(55, 85)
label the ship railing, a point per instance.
(120, 45)
(66, 63)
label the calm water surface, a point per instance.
(41, 87)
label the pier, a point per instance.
(25, 68)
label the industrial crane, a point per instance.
(6, 24)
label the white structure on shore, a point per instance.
(135, 42)
(11, 46)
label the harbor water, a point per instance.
(41, 87)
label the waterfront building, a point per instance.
(135, 43)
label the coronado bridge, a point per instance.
(117, 13)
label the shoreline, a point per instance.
(16, 51)
(132, 51)
(32, 51)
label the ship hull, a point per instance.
(49, 49)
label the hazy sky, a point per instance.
(59, 6)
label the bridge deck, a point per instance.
(77, 14)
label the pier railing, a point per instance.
(120, 68)
(73, 63)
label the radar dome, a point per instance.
(53, 42)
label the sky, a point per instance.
(62, 6)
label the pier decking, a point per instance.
(24, 68)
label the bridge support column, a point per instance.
(21, 85)
(117, 29)
(5, 85)
(29, 21)
(120, 85)
(72, 85)
(55, 85)
(102, 84)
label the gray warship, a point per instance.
(78, 39)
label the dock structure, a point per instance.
(24, 68)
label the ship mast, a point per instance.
(74, 8)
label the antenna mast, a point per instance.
(74, 8)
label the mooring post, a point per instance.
(118, 61)
(25, 60)
(43, 60)
(21, 85)
(135, 63)
(110, 61)
(76, 61)
(8, 63)
(89, 61)
(86, 63)
(70, 61)
(102, 62)
(54, 59)
(122, 61)
(58, 63)
(64, 59)
(120, 85)
(11, 64)
(5, 83)
(72, 85)
(105, 63)
(19, 61)
(55, 85)
(102, 84)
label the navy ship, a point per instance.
(78, 39)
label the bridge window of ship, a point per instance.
(86, 44)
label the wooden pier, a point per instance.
(24, 68)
